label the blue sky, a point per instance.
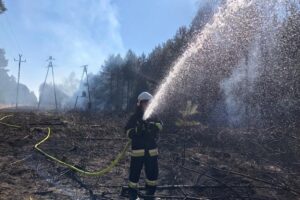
(78, 32)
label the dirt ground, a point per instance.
(218, 163)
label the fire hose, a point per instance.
(101, 172)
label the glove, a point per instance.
(137, 130)
(152, 127)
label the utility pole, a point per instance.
(88, 87)
(50, 65)
(20, 61)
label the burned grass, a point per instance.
(219, 163)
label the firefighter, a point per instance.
(144, 152)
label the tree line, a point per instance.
(273, 97)
(121, 79)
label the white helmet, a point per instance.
(144, 96)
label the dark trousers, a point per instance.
(151, 171)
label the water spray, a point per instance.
(218, 21)
(235, 19)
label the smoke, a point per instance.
(69, 85)
(66, 94)
(240, 85)
(8, 91)
(49, 97)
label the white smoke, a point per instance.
(241, 83)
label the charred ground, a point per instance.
(220, 163)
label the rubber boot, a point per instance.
(150, 191)
(132, 194)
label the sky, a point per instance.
(80, 32)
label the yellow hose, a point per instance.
(6, 124)
(94, 173)
(101, 172)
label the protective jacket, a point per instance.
(144, 152)
(143, 134)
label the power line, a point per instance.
(50, 65)
(20, 61)
(88, 86)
